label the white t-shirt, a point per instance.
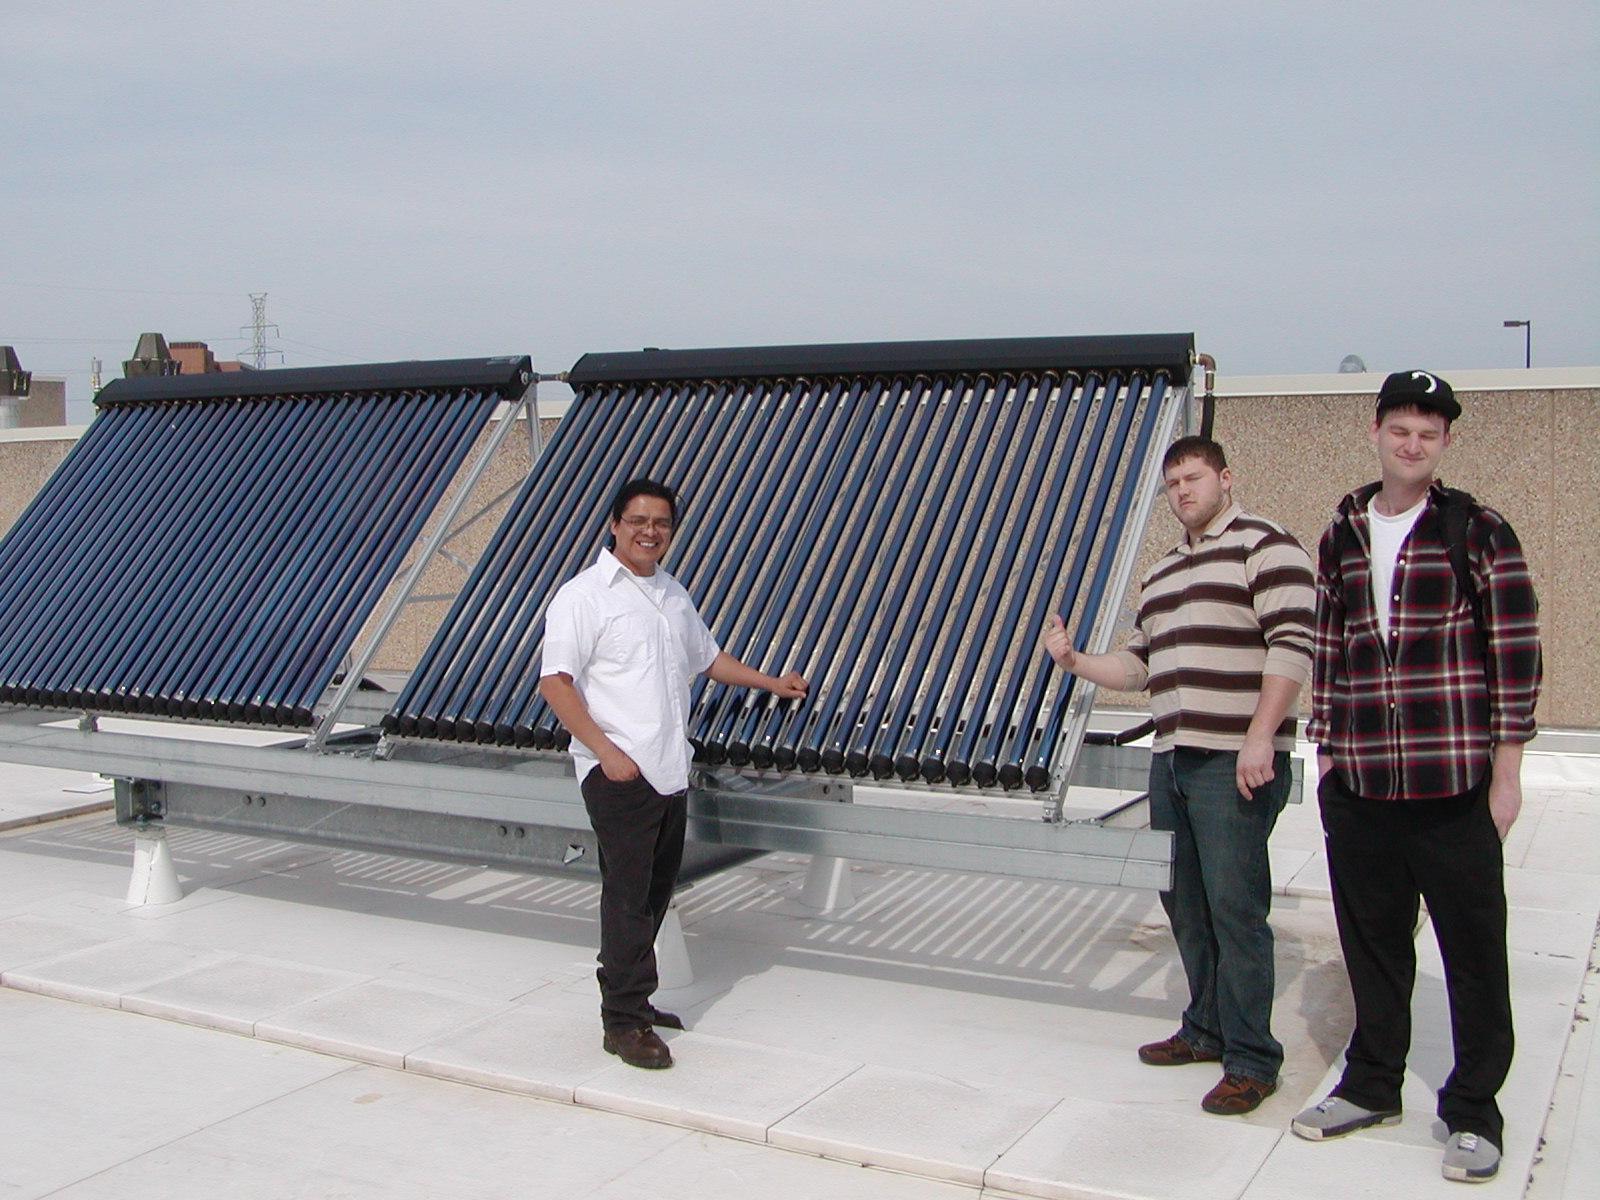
(1388, 535)
(632, 645)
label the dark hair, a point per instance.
(643, 487)
(1203, 448)
(1409, 408)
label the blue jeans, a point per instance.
(1221, 893)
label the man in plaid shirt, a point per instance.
(1420, 708)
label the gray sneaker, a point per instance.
(1336, 1116)
(1469, 1158)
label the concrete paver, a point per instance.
(964, 1029)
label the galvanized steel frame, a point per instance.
(471, 805)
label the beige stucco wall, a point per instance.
(1296, 448)
(28, 457)
(445, 575)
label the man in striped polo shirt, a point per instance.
(1223, 642)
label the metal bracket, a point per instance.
(139, 801)
(1127, 769)
(782, 787)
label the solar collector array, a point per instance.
(897, 534)
(212, 545)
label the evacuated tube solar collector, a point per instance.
(212, 545)
(896, 520)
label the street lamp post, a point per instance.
(1527, 340)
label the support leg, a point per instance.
(155, 879)
(672, 953)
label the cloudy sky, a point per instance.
(1291, 182)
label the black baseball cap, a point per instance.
(1418, 389)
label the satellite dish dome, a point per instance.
(1351, 364)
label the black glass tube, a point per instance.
(923, 684)
(717, 425)
(757, 610)
(384, 527)
(36, 618)
(777, 452)
(189, 477)
(837, 711)
(830, 436)
(878, 739)
(34, 542)
(1042, 494)
(128, 555)
(818, 562)
(466, 612)
(804, 534)
(300, 510)
(959, 592)
(1051, 733)
(1038, 774)
(1020, 478)
(59, 585)
(1027, 649)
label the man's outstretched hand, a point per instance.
(790, 687)
(1058, 644)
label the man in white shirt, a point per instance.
(622, 642)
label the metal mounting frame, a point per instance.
(467, 804)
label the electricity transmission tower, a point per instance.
(257, 329)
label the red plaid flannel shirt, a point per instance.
(1418, 719)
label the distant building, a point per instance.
(26, 401)
(153, 356)
(196, 358)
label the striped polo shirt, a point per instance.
(1213, 618)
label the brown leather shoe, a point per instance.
(1175, 1051)
(640, 1047)
(665, 1020)
(1236, 1095)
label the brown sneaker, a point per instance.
(639, 1047)
(1236, 1095)
(1176, 1051)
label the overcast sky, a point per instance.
(1291, 182)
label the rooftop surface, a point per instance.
(311, 1023)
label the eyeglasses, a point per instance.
(662, 524)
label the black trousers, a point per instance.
(640, 834)
(1381, 856)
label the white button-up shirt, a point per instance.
(632, 646)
